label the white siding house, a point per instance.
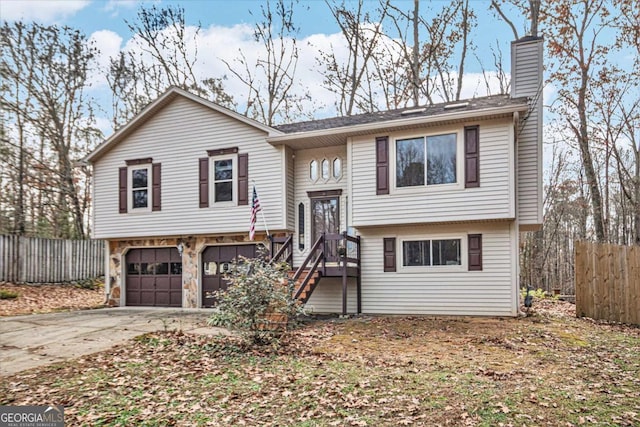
(436, 196)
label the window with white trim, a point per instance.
(325, 170)
(426, 160)
(140, 187)
(337, 168)
(431, 253)
(313, 170)
(224, 177)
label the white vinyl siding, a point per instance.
(303, 184)
(494, 199)
(527, 81)
(290, 205)
(492, 291)
(327, 297)
(177, 136)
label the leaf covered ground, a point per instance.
(49, 298)
(549, 369)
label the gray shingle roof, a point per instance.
(389, 115)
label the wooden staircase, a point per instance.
(307, 276)
(302, 291)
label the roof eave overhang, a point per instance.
(310, 138)
(155, 106)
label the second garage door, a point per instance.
(216, 261)
(154, 277)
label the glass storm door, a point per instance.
(326, 219)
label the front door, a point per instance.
(216, 263)
(325, 218)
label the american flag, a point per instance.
(255, 208)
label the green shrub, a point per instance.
(258, 303)
(7, 294)
(537, 294)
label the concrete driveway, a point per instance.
(41, 339)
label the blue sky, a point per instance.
(226, 30)
(312, 16)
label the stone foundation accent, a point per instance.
(192, 248)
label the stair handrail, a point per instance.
(287, 244)
(312, 251)
(308, 277)
(319, 244)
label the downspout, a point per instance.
(107, 276)
(516, 125)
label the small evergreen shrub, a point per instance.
(258, 303)
(7, 294)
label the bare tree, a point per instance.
(348, 78)
(527, 8)
(48, 122)
(165, 53)
(271, 80)
(578, 54)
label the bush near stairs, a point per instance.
(258, 303)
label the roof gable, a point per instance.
(159, 104)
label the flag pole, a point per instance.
(262, 212)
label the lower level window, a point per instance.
(431, 252)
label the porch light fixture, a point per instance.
(180, 248)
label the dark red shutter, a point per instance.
(382, 165)
(243, 179)
(156, 197)
(475, 252)
(123, 172)
(389, 244)
(471, 157)
(204, 182)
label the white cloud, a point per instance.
(216, 44)
(108, 43)
(115, 6)
(44, 11)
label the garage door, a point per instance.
(154, 277)
(216, 261)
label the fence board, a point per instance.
(608, 282)
(38, 260)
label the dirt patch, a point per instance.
(47, 298)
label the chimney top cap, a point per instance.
(527, 39)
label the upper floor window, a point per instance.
(140, 187)
(327, 169)
(224, 176)
(313, 170)
(337, 168)
(430, 160)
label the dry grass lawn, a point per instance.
(549, 369)
(47, 298)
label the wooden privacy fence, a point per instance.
(37, 260)
(608, 282)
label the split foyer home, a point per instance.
(410, 211)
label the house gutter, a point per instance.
(401, 122)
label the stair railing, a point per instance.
(286, 249)
(316, 250)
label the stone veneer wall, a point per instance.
(192, 247)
